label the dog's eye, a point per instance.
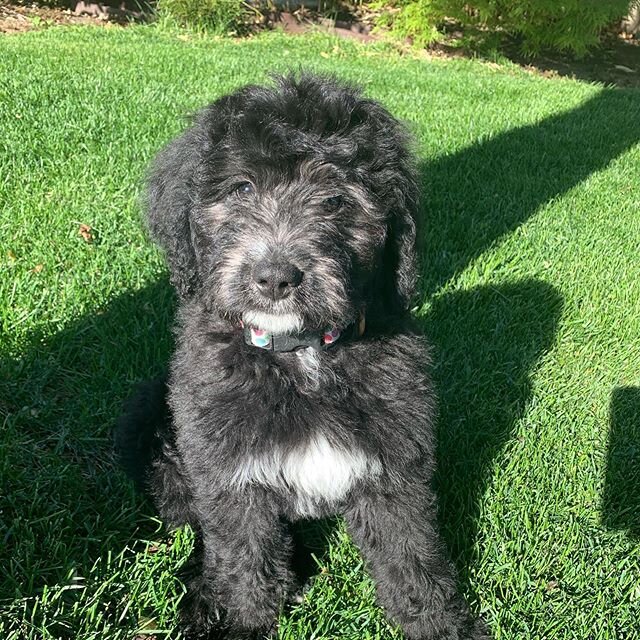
(333, 203)
(245, 189)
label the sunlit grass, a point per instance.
(531, 297)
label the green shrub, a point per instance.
(218, 16)
(569, 25)
(414, 19)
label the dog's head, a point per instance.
(290, 207)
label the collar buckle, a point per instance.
(286, 342)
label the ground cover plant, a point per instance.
(530, 294)
(573, 25)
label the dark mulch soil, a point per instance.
(17, 17)
(616, 62)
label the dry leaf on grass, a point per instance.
(86, 232)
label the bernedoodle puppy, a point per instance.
(298, 388)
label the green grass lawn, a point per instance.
(530, 295)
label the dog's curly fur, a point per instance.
(243, 441)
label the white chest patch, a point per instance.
(315, 471)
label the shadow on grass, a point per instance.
(487, 341)
(63, 503)
(621, 499)
(475, 197)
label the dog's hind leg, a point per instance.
(415, 583)
(145, 444)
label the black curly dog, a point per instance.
(298, 386)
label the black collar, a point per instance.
(317, 340)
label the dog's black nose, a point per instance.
(276, 280)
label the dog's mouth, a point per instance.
(278, 323)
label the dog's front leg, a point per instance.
(245, 574)
(395, 531)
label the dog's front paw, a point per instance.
(198, 623)
(200, 618)
(206, 629)
(458, 625)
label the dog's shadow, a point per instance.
(63, 394)
(486, 342)
(621, 499)
(489, 339)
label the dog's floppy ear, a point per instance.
(171, 197)
(400, 248)
(403, 236)
(390, 172)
